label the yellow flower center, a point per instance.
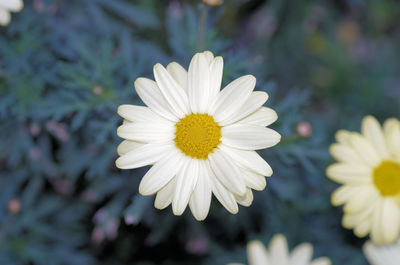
(387, 178)
(197, 135)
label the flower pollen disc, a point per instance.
(197, 135)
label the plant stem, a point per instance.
(202, 27)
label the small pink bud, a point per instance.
(14, 206)
(304, 129)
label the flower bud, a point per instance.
(213, 3)
(14, 206)
(304, 129)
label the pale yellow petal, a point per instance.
(372, 131)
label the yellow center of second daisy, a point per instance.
(387, 178)
(197, 135)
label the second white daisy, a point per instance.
(278, 254)
(200, 140)
(369, 169)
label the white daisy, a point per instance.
(278, 254)
(7, 6)
(200, 140)
(388, 254)
(369, 169)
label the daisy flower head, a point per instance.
(388, 254)
(278, 254)
(7, 6)
(200, 140)
(368, 168)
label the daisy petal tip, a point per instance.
(121, 109)
(200, 218)
(117, 164)
(144, 191)
(158, 207)
(369, 118)
(157, 68)
(207, 53)
(251, 78)
(138, 80)
(328, 171)
(276, 138)
(334, 201)
(177, 212)
(264, 95)
(235, 211)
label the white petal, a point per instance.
(165, 194)
(199, 83)
(364, 149)
(351, 220)
(144, 155)
(301, 255)
(146, 132)
(392, 134)
(201, 197)
(377, 225)
(262, 117)
(345, 153)
(224, 196)
(161, 173)
(227, 172)
(343, 194)
(209, 56)
(232, 97)
(253, 103)
(249, 137)
(248, 159)
(151, 95)
(172, 91)
(342, 136)
(390, 220)
(12, 5)
(257, 254)
(135, 113)
(216, 72)
(363, 228)
(321, 261)
(361, 200)
(126, 146)
(186, 180)
(349, 173)
(278, 250)
(246, 199)
(373, 254)
(179, 74)
(372, 131)
(254, 180)
(5, 17)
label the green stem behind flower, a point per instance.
(202, 27)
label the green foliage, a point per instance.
(65, 67)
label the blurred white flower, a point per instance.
(278, 254)
(200, 140)
(388, 254)
(369, 169)
(7, 6)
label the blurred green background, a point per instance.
(66, 65)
